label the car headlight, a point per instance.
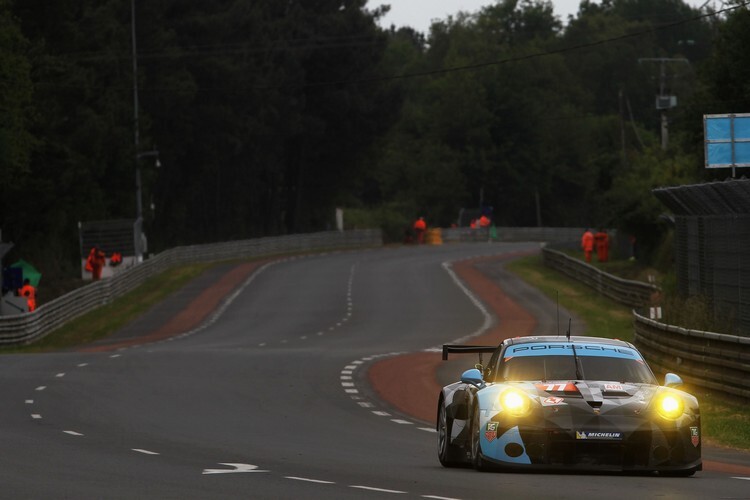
(670, 407)
(515, 402)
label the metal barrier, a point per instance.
(628, 292)
(500, 233)
(703, 359)
(27, 328)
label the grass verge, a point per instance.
(603, 317)
(107, 319)
(724, 423)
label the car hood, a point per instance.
(591, 397)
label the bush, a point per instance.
(391, 219)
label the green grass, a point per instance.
(724, 422)
(603, 317)
(105, 320)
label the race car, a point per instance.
(567, 403)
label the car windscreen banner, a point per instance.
(565, 348)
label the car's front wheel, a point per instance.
(477, 459)
(448, 454)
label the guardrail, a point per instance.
(501, 233)
(27, 328)
(704, 359)
(628, 292)
(708, 360)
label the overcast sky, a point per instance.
(419, 13)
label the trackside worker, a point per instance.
(602, 245)
(29, 292)
(90, 260)
(95, 262)
(587, 244)
(484, 221)
(420, 226)
(115, 259)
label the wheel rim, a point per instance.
(475, 434)
(442, 432)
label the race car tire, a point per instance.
(477, 459)
(448, 454)
(677, 473)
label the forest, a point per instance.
(269, 115)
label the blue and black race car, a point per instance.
(566, 403)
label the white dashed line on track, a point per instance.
(60, 375)
(73, 433)
(380, 490)
(318, 481)
(401, 421)
(41, 388)
(36, 416)
(145, 452)
(29, 401)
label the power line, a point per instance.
(443, 71)
(535, 55)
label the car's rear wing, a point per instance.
(467, 349)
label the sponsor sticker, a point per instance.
(564, 387)
(491, 433)
(582, 349)
(694, 436)
(552, 401)
(614, 388)
(607, 436)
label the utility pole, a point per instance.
(138, 196)
(664, 102)
(138, 234)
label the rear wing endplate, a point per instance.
(467, 349)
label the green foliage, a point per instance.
(391, 219)
(15, 98)
(268, 115)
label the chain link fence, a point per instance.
(712, 237)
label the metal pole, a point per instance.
(138, 194)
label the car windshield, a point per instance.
(563, 367)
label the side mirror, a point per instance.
(672, 380)
(473, 377)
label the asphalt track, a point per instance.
(304, 377)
